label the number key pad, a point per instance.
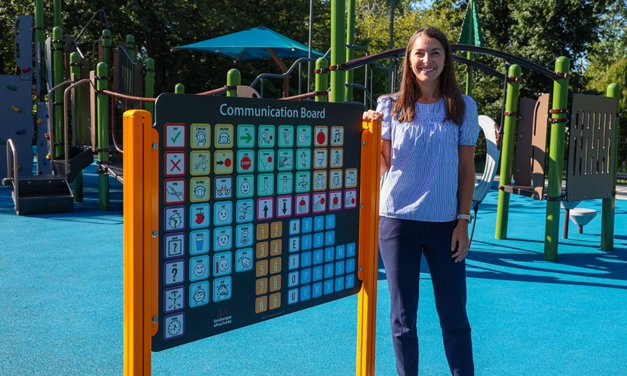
(316, 265)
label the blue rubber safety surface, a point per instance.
(61, 298)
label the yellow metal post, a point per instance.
(368, 246)
(141, 166)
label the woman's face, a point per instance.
(427, 58)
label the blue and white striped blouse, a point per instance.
(421, 184)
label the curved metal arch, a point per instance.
(361, 61)
(506, 56)
(289, 71)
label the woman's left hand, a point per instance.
(460, 240)
(372, 115)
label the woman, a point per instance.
(429, 130)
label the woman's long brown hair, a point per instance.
(405, 104)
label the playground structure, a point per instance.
(96, 111)
(77, 119)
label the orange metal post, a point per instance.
(368, 246)
(141, 164)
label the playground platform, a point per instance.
(61, 294)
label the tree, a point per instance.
(9, 11)
(607, 63)
(373, 32)
(159, 26)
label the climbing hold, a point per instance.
(1, 141)
(40, 143)
(37, 95)
(47, 136)
(26, 70)
(46, 115)
(39, 172)
(48, 157)
(43, 161)
(39, 121)
(21, 131)
(15, 109)
(11, 87)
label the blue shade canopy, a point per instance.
(253, 44)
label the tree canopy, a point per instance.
(158, 26)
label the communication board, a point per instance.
(258, 211)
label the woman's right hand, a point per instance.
(372, 115)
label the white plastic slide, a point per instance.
(482, 185)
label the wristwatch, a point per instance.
(467, 217)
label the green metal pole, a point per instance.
(556, 162)
(56, 10)
(149, 91)
(350, 39)
(469, 56)
(102, 71)
(106, 46)
(39, 37)
(57, 57)
(322, 79)
(609, 204)
(75, 69)
(507, 153)
(130, 46)
(103, 118)
(337, 51)
(233, 78)
(179, 89)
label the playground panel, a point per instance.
(590, 170)
(258, 211)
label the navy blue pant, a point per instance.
(402, 242)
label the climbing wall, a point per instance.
(16, 103)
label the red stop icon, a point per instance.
(245, 163)
(321, 138)
(227, 162)
(335, 200)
